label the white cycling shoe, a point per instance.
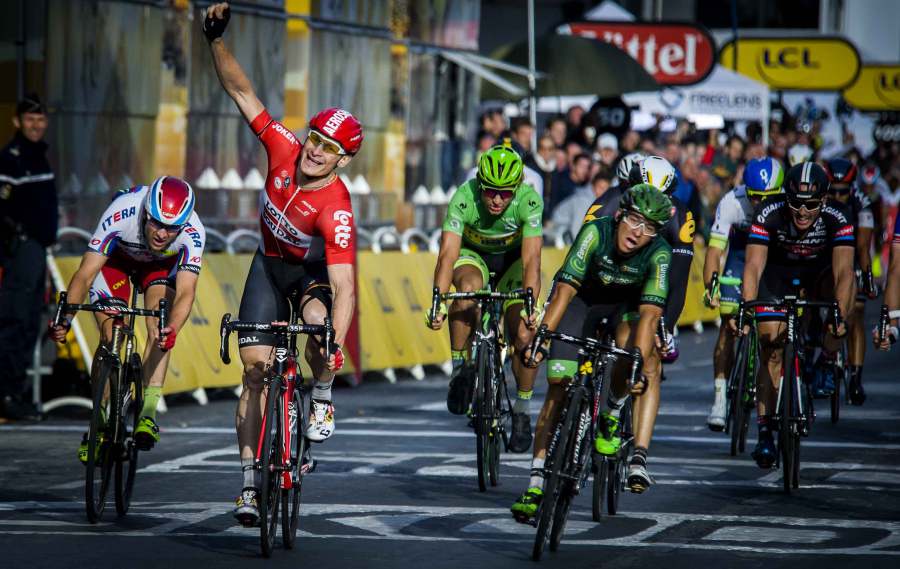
(716, 418)
(321, 421)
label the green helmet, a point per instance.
(500, 167)
(648, 201)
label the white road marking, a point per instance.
(767, 534)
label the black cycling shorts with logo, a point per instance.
(814, 283)
(268, 289)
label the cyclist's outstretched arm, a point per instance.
(531, 263)
(863, 241)
(449, 253)
(90, 266)
(229, 71)
(645, 338)
(560, 297)
(842, 266)
(185, 291)
(753, 269)
(341, 279)
(892, 292)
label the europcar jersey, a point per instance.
(593, 263)
(298, 225)
(120, 233)
(774, 227)
(734, 216)
(486, 233)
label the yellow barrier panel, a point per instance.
(694, 310)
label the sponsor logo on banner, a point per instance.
(876, 89)
(674, 54)
(800, 63)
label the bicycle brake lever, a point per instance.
(224, 333)
(60, 306)
(163, 322)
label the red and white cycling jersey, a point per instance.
(120, 233)
(299, 225)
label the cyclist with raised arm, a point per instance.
(149, 237)
(308, 246)
(800, 237)
(763, 178)
(842, 189)
(891, 295)
(492, 233)
(617, 269)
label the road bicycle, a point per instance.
(283, 455)
(118, 392)
(491, 407)
(570, 448)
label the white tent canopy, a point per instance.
(725, 93)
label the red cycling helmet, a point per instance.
(340, 126)
(841, 172)
(170, 201)
(870, 174)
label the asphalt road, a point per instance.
(396, 486)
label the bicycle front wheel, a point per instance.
(270, 464)
(132, 402)
(100, 458)
(788, 437)
(600, 469)
(566, 433)
(736, 387)
(290, 499)
(482, 406)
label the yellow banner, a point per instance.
(808, 64)
(876, 89)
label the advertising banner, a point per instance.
(674, 54)
(876, 89)
(798, 63)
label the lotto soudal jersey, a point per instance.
(120, 233)
(774, 227)
(300, 225)
(486, 233)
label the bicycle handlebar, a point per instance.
(519, 294)
(63, 307)
(791, 303)
(594, 348)
(279, 328)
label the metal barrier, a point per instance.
(237, 234)
(434, 242)
(412, 234)
(386, 234)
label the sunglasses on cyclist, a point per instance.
(157, 226)
(810, 205)
(504, 194)
(636, 220)
(328, 145)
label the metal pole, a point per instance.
(734, 34)
(532, 99)
(20, 54)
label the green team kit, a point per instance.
(492, 243)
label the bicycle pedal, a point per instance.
(309, 467)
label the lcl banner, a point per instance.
(674, 54)
(806, 64)
(876, 89)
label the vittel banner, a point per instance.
(674, 54)
(795, 63)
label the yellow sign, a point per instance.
(876, 89)
(808, 64)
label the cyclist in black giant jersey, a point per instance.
(796, 236)
(843, 189)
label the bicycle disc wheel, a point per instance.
(786, 439)
(483, 419)
(290, 499)
(270, 463)
(598, 487)
(98, 470)
(558, 464)
(132, 402)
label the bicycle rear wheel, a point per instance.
(736, 408)
(616, 477)
(483, 420)
(787, 439)
(132, 401)
(600, 469)
(558, 461)
(290, 499)
(270, 464)
(99, 467)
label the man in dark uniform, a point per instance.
(28, 223)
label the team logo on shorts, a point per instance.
(277, 182)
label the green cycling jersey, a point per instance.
(486, 233)
(595, 267)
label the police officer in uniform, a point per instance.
(28, 224)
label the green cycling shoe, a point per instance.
(83, 448)
(526, 507)
(146, 434)
(608, 441)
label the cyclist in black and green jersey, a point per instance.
(492, 233)
(617, 269)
